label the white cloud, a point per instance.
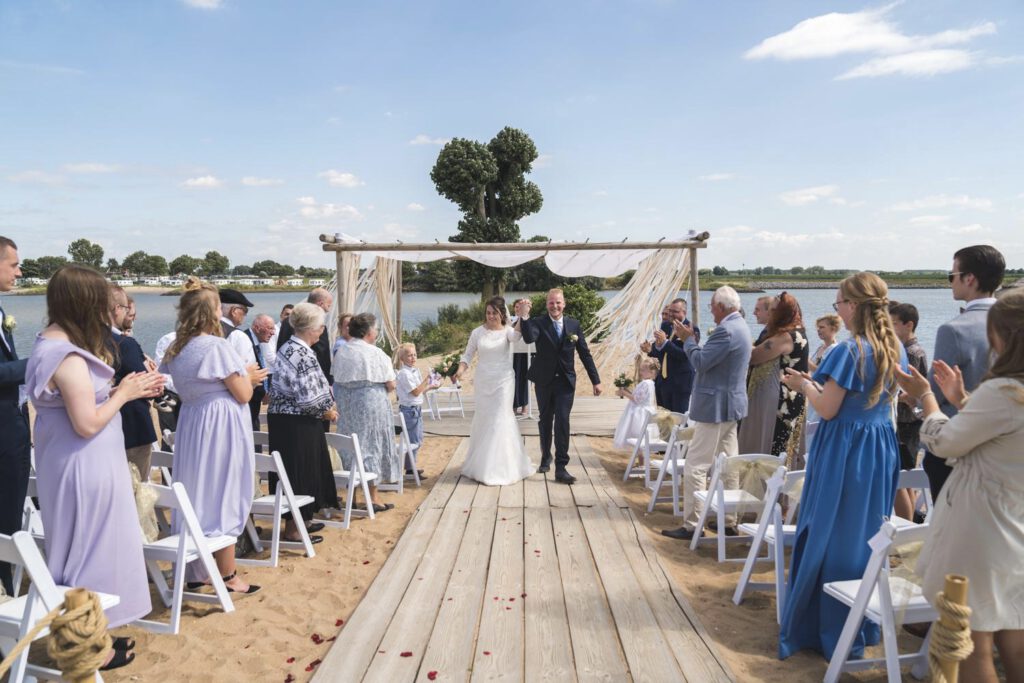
(809, 195)
(716, 177)
(203, 182)
(423, 139)
(964, 229)
(205, 4)
(734, 230)
(341, 179)
(960, 201)
(253, 181)
(36, 178)
(91, 167)
(310, 208)
(543, 161)
(872, 32)
(928, 220)
(43, 68)
(415, 207)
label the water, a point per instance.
(156, 314)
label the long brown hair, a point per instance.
(1006, 323)
(78, 301)
(498, 304)
(871, 321)
(785, 316)
(198, 313)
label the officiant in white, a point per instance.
(496, 455)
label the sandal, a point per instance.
(124, 644)
(377, 507)
(120, 658)
(313, 527)
(253, 588)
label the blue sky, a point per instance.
(797, 133)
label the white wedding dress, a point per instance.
(496, 455)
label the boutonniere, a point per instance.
(573, 338)
(10, 323)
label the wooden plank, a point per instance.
(445, 484)
(667, 587)
(595, 643)
(486, 497)
(583, 490)
(451, 647)
(644, 646)
(511, 496)
(499, 646)
(349, 657)
(548, 644)
(535, 492)
(410, 628)
(598, 474)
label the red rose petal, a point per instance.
(405, 654)
(331, 639)
(380, 652)
(366, 562)
(317, 638)
(487, 653)
(289, 679)
(290, 660)
(523, 595)
(511, 599)
(314, 664)
(508, 608)
(339, 622)
(431, 675)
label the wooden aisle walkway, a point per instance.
(532, 582)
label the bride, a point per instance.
(496, 456)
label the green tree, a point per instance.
(719, 270)
(113, 266)
(136, 262)
(43, 267)
(215, 263)
(156, 265)
(272, 268)
(796, 270)
(86, 253)
(184, 265)
(580, 303)
(439, 276)
(488, 184)
(241, 269)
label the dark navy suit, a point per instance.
(554, 375)
(15, 444)
(674, 391)
(136, 420)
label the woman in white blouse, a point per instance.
(977, 526)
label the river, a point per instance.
(156, 313)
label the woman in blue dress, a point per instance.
(852, 468)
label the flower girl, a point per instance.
(641, 403)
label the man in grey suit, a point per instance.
(963, 341)
(718, 402)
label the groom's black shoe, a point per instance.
(545, 466)
(682, 533)
(562, 476)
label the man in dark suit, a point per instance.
(553, 373)
(15, 442)
(322, 348)
(260, 332)
(136, 418)
(675, 381)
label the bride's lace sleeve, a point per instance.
(512, 334)
(474, 339)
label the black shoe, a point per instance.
(918, 630)
(120, 658)
(562, 476)
(313, 527)
(682, 533)
(544, 467)
(123, 643)
(732, 531)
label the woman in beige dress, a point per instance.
(977, 526)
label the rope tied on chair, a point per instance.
(950, 635)
(79, 642)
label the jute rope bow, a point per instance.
(79, 642)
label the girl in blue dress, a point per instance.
(852, 467)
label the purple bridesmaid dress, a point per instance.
(93, 537)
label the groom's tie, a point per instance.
(558, 329)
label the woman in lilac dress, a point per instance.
(213, 447)
(93, 537)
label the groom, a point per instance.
(554, 375)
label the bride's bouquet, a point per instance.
(447, 366)
(623, 382)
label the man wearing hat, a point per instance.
(234, 306)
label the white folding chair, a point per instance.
(188, 545)
(18, 615)
(637, 443)
(348, 448)
(915, 480)
(32, 522)
(775, 533)
(271, 506)
(724, 501)
(407, 450)
(453, 405)
(879, 596)
(673, 462)
(648, 444)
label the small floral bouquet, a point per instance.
(10, 323)
(448, 366)
(623, 382)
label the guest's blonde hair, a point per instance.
(651, 364)
(830, 319)
(198, 313)
(871, 320)
(401, 352)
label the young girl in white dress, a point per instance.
(641, 404)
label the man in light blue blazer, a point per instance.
(963, 341)
(718, 402)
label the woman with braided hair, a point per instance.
(852, 467)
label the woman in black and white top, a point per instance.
(300, 400)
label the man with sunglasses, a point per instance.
(963, 341)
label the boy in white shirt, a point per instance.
(410, 386)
